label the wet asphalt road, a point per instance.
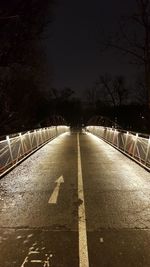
(35, 233)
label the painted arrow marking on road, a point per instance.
(54, 195)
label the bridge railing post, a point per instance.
(41, 134)
(113, 135)
(29, 135)
(22, 146)
(135, 143)
(147, 152)
(126, 140)
(35, 136)
(10, 150)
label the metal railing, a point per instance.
(134, 145)
(14, 148)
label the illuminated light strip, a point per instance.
(83, 248)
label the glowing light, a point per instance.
(7, 137)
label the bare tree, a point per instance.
(113, 89)
(92, 95)
(141, 92)
(133, 38)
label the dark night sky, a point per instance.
(73, 46)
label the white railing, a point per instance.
(14, 148)
(134, 145)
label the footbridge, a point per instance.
(77, 198)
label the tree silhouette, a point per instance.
(133, 38)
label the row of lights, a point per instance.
(112, 129)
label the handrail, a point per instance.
(134, 145)
(16, 147)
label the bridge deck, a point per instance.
(39, 218)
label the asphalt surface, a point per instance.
(36, 232)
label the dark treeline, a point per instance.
(60, 106)
(124, 104)
(23, 66)
(27, 100)
(110, 97)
